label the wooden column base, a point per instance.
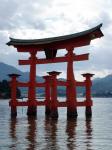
(47, 111)
(88, 111)
(72, 113)
(32, 111)
(13, 111)
(54, 114)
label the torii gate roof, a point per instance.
(75, 40)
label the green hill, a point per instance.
(101, 86)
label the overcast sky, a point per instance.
(45, 18)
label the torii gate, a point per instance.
(50, 47)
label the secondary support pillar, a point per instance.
(13, 101)
(47, 95)
(71, 88)
(54, 108)
(88, 110)
(32, 108)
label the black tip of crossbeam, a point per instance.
(54, 73)
(14, 75)
(87, 75)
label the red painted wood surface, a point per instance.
(51, 82)
(44, 103)
(55, 60)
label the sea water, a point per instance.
(46, 134)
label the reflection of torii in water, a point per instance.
(50, 47)
(30, 134)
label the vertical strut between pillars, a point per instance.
(54, 107)
(13, 102)
(88, 109)
(47, 95)
(71, 88)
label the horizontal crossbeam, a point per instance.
(55, 60)
(80, 83)
(43, 103)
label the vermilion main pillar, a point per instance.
(32, 108)
(71, 88)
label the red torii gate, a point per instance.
(50, 47)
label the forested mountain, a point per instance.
(8, 69)
(101, 86)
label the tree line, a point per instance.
(5, 90)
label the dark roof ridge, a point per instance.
(52, 39)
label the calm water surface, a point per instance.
(41, 134)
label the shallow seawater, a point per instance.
(41, 133)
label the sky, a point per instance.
(31, 19)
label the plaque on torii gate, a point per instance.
(50, 46)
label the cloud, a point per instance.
(22, 14)
(43, 18)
